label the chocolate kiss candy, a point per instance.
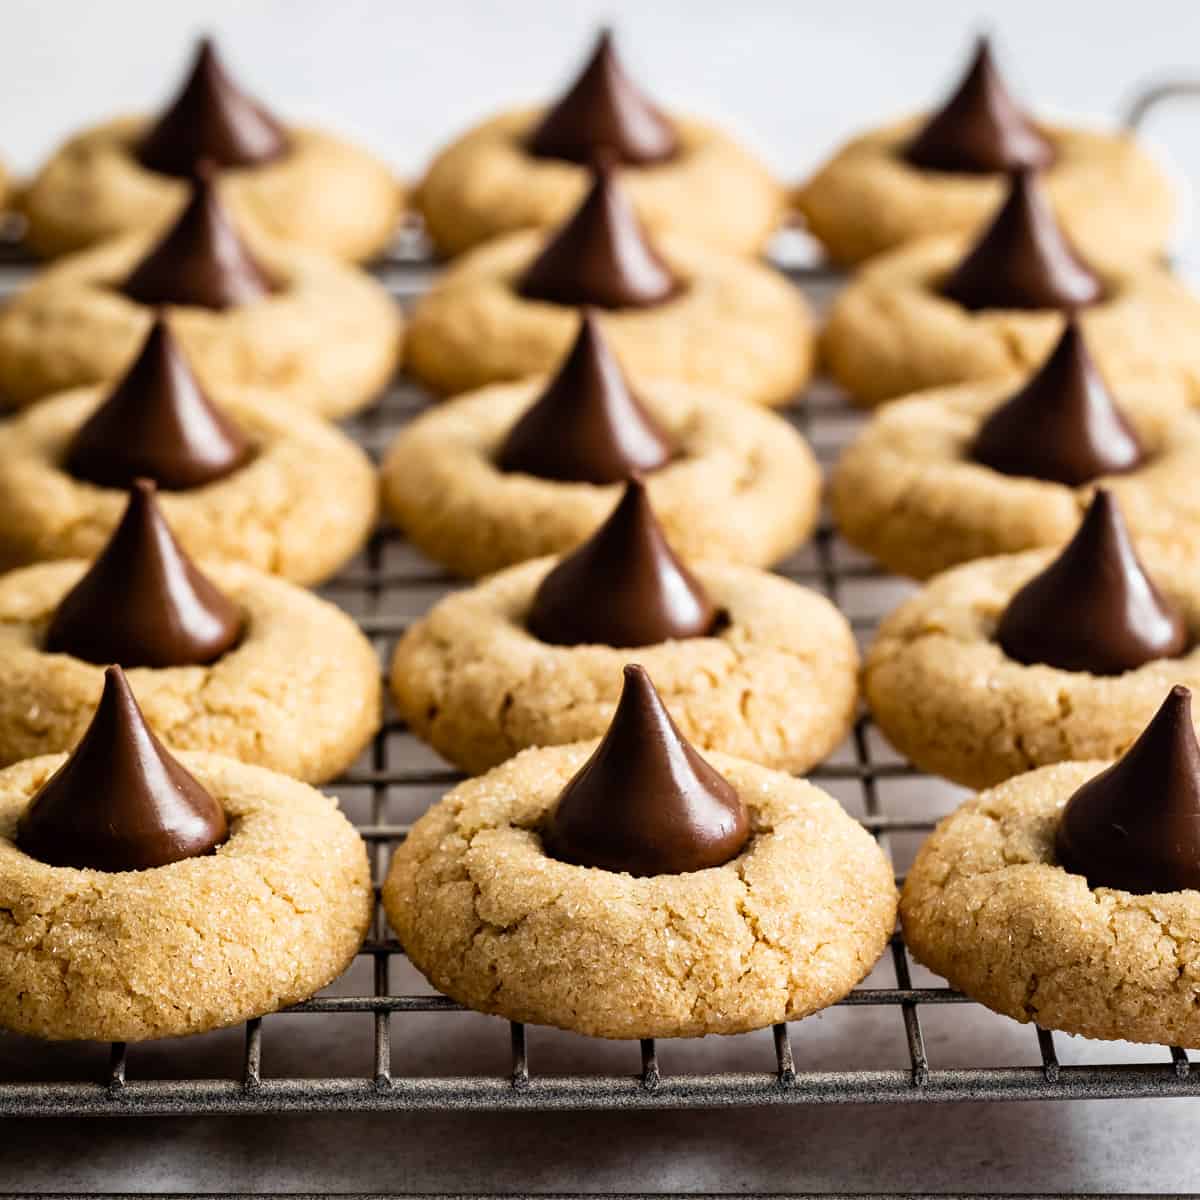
(1062, 425)
(142, 603)
(586, 427)
(1136, 826)
(157, 424)
(201, 261)
(980, 129)
(604, 110)
(1022, 260)
(646, 802)
(120, 802)
(600, 256)
(211, 118)
(1093, 608)
(623, 587)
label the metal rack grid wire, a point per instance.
(378, 588)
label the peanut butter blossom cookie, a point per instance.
(249, 311)
(520, 470)
(1009, 663)
(144, 895)
(944, 310)
(1070, 896)
(943, 173)
(224, 658)
(635, 889)
(251, 480)
(129, 175)
(995, 467)
(749, 663)
(528, 169)
(672, 308)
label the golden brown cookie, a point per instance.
(745, 487)
(987, 906)
(1109, 195)
(776, 684)
(908, 493)
(891, 333)
(946, 695)
(278, 912)
(737, 328)
(329, 339)
(786, 928)
(300, 508)
(299, 693)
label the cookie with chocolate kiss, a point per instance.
(623, 587)
(587, 426)
(604, 110)
(1023, 260)
(601, 256)
(1093, 608)
(646, 803)
(159, 424)
(211, 118)
(120, 802)
(202, 260)
(980, 129)
(143, 603)
(1062, 425)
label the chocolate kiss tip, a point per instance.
(587, 426)
(158, 423)
(1093, 608)
(211, 117)
(1062, 425)
(645, 802)
(120, 802)
(603, 107)
(1022, 260)
(159, 610)
(623, 587)
(1136, 826)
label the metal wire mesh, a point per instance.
(385, 588)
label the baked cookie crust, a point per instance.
(891, 333)
(776, 685)
(485, 184)
(276, 914)
(1111, 197)
(949, 699)
(300, 508)
(325, 193)
(907, 492)
(746, 487)
(329, 339)
(299, 694)
(786, 928)
(737, 328)
(987, 906)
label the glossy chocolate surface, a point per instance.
(645, 802)
(1136, 826)
(601, 256)
(143, 603)
(158, 424)
(211, 118)
(623, 587)
(587, 426)
(604, 110)
(1023, 260)
(1093, 608)
(120, 802)
(1062, 425)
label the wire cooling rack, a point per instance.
(385, 588)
